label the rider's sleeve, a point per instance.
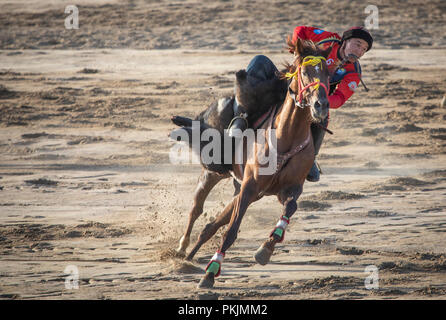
(344, 91)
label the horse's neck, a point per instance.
(292, 124)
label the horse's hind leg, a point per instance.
(206, 182)
(288, 197)
(211, 228)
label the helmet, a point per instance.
(358, 32)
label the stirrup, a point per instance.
(238, 122)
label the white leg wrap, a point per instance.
(217, 257)
(282, 224)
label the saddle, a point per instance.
(256, 97)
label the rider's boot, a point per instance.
(318, 135)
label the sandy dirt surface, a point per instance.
(86, 183)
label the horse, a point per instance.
(306, 101)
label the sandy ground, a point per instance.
(85, 178)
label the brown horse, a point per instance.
(306, 102)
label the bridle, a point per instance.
(282, 158)
(309, 60)
(314, 61)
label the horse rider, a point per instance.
(344, 70)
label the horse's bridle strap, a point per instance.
(297, 75)
(284, 157)
(299, 102)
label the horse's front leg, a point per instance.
(206, 182)
(211, 228)
(248, 194)
(288, 197)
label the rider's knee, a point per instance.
(261, 68)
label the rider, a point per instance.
(343, 65)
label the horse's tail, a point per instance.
(187, 124)
(182, 121)
(187, 132)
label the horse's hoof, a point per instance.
(207, 281)
(181, 250)
(263, 255)
(180, 254)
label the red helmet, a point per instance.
(358, 32)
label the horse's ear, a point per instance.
(291, 44)
(299, 47)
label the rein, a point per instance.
(356, 59)
(314, 61)
(309, 60)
